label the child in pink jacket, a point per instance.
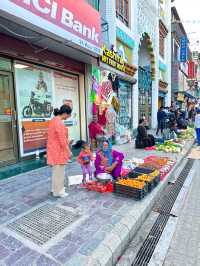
(85, 158)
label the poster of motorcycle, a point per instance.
(35, 89)
(34, 100)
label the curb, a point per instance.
(115, 243)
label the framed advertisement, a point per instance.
(34, 88)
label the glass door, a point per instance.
(8, 143)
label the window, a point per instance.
(94, 3)
(122, 11)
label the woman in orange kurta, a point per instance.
(58, 152)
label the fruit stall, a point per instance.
(138, 177)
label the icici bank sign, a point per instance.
(73, 20)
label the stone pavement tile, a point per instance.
(57, 249)
(22, 252)
(66, 253)
(78, 260)
(4, 252)
(101, 234)
(90, 246)
(2, 236)
(29, 259)
(45, 261)
(11, 243)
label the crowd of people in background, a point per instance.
(170, 121)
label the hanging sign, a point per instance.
(114, 60)
(191, 70)
(183, 49)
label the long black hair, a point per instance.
(64, 109)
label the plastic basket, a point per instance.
(127, 191)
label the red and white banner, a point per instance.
(191, 70)
(73, 20)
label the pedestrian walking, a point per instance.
(58, 151)
(161, 119)
(197, 126)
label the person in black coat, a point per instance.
(161, 119)
(143, 139)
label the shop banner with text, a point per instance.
(72, 20)
(183, 49)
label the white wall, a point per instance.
(144, 58)
(148, 21)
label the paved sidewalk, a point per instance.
(105, 225)
(184, 249)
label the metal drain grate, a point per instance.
(164, 207)
(171, 192)
(43, 224)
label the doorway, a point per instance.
(8, 132)
(145, 94)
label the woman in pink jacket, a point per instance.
(58, 152)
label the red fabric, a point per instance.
(102, 118)
(94, 109)
(95, 129)
(153, 148)
(58, 151)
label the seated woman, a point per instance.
(108, 160)
(181, 122)
(143, 139)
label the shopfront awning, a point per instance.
(186, 94)
(189, 95)
(120, 74)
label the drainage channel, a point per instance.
(163, 207)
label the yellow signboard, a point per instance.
(114, 60)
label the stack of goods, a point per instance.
(155, 161)
(99, 187)
(131, 188)
(187, 134)
(163, 164)
(170, 146)
(138, 182)
(147, 174)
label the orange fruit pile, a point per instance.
(145, 178)
(131, 183)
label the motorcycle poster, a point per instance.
(35, 107)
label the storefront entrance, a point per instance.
(145, 94)
(125, 99)
(8, 140)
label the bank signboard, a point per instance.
(74, 21)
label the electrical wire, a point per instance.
(17, 34)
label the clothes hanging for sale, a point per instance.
(115, 103)
(110, 121)
(102, 117)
